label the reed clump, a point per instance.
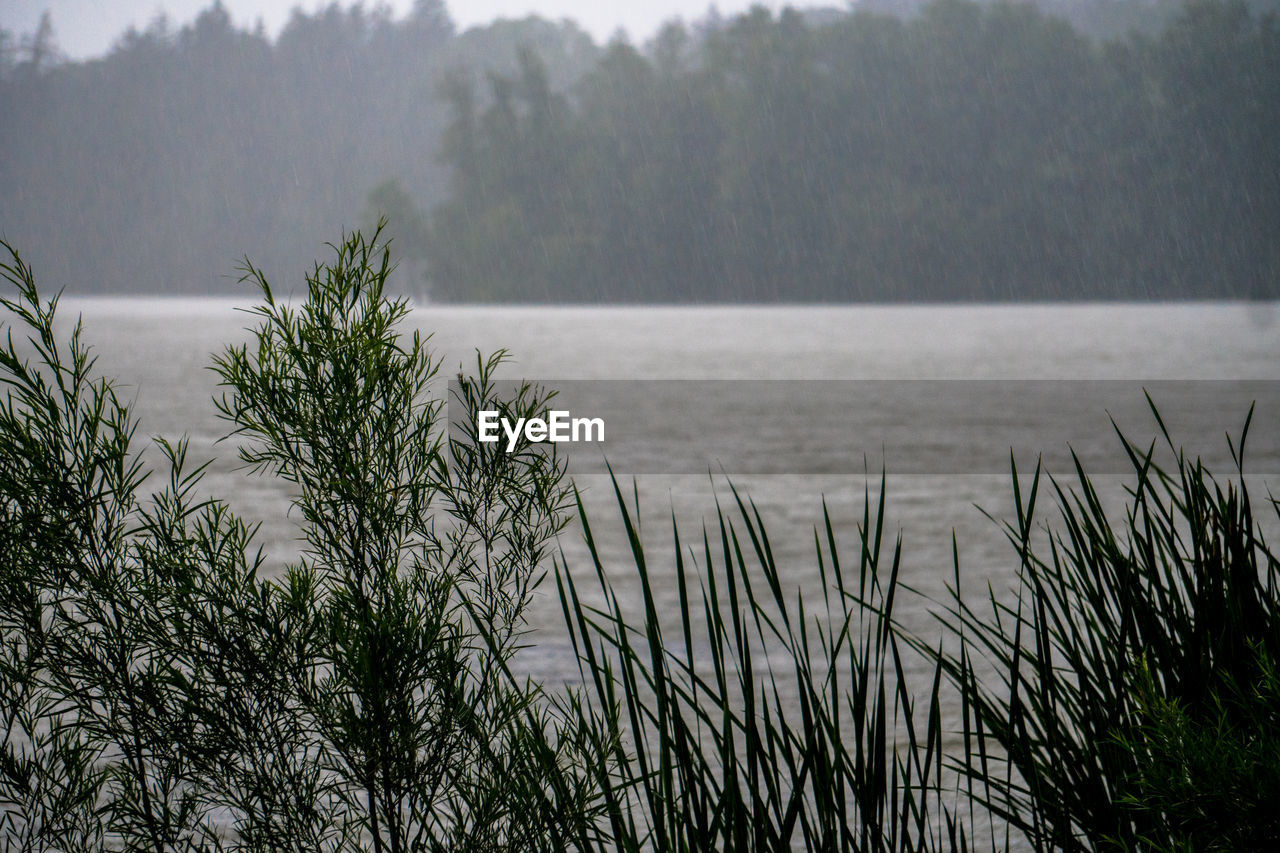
(1134, 695)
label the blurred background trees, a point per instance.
(949, 151)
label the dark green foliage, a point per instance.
(1209, 777)
(1131, 687)
(160, 691)
(820, 747)
(415, 573)
(93, 588)
(975, 151)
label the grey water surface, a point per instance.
(159, 351)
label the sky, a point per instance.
(87, 28)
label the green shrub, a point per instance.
(159, 692)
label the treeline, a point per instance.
(971, 152)
(155, 168)
(957, 151)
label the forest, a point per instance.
(953, 151)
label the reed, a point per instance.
(760, 721)
(1126, 697)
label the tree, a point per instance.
(405, 228)
(42, 46)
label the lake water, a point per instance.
(160, 349)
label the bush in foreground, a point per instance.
(159, 691)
